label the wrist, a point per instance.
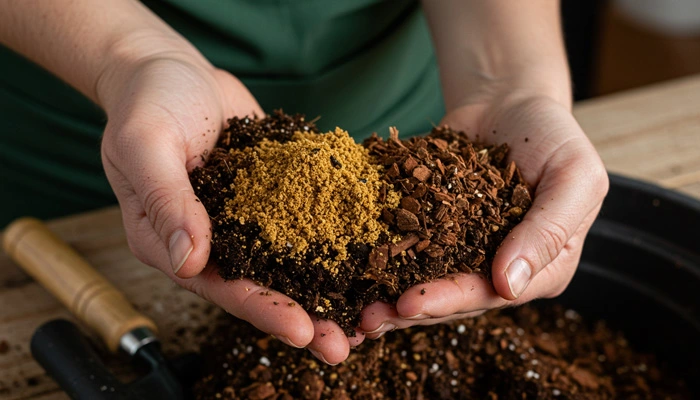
(126, 54)
(543, 82)
(551, 81)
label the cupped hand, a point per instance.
(540, 255)
(164, 114)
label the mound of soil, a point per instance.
(522, 353)
(444, 205)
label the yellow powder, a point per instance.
(315, 189)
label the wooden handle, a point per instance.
(68, 276)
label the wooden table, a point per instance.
(651, 133)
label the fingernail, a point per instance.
(380, 334)
(287, 341)
(384, 327)
(417, 317)
(518, 275)
(180, 248)
(320, 356)
(378, 329)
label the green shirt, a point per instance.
(362, 65)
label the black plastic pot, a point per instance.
(640, 271)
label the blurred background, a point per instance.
(615, 45)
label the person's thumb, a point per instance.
(167, 226)
(564, 198)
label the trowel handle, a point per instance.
(69, 277)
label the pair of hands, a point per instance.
(165, 111)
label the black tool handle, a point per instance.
(66, 355)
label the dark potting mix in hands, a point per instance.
(336, 225)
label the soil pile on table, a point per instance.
(337, 226)
(514, 354)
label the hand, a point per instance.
(164, 113)
(539, 257)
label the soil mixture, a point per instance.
(456, 201)
(523, 353)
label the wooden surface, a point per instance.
(64, 273)
(651, 133)
(24, 305)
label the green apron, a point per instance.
(362, 65)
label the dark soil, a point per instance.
(515, 354)
(459, 200)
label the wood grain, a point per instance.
(74, 282)
(98, 236)
(651, 134)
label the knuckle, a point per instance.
(197, 287)
(603, 182)
(200, 287)
(553, 238)
(158, 205)
(597, 176)
(246, 309)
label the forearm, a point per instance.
(79, 40)
(494, 45)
